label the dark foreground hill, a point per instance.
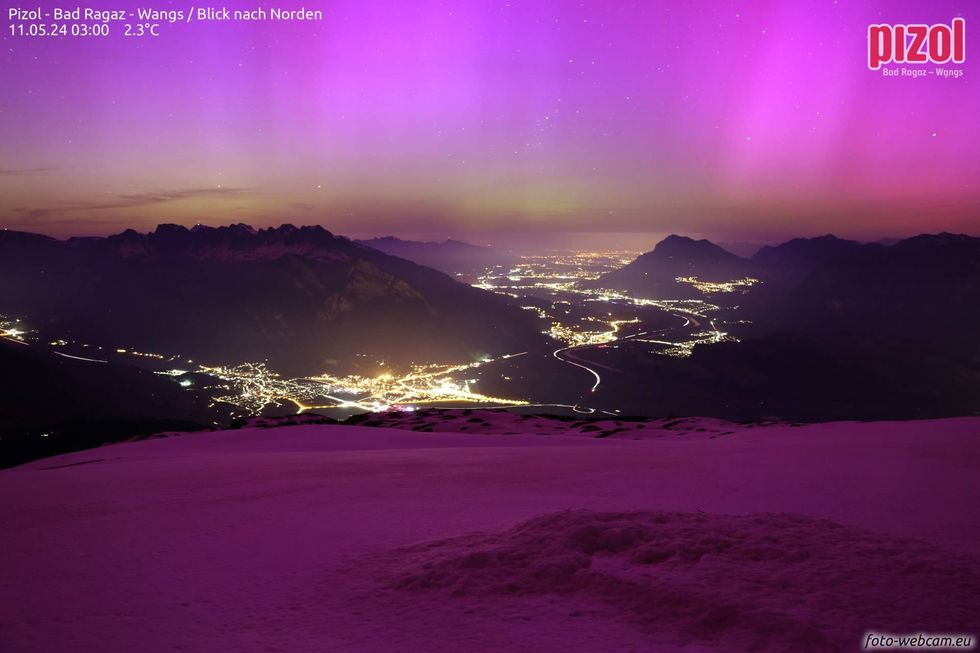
(791, 376)
(53, 404)
(302, 298)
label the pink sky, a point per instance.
(496, 121)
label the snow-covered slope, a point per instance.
(340, 538)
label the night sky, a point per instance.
(532, 121)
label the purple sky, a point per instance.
(497, 121)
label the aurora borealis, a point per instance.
(495, 121)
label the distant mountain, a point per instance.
(453, 257)
(654, 274)
(793, 260)
(786, 267)
(924, 289)
(302, 298)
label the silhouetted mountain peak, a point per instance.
(309, 230)
(11, 236)
(657, 271)
(394, 241)
(678, 240)
(449, 255)
(231, 242)
(944, 240)
(804, 254)
(240, 228)
(286, 227)
(827, 240)
(682, 247)
(168, 229)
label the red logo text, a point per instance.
(916, 43)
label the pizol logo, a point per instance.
(917, 44)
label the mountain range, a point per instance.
(836, 330)
(301, 298)
(655, 273)
(922, 291)
(925, 288)
(453, 257)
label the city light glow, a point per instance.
(558, 288)
(709, 287)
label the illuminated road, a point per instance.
(80, 358)
(598, 379)
(573, 354)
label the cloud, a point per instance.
(125, 201)
(131, 200)
(21, 172)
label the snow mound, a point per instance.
(764, 582)
(504, 422)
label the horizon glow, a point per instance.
(496, 122)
